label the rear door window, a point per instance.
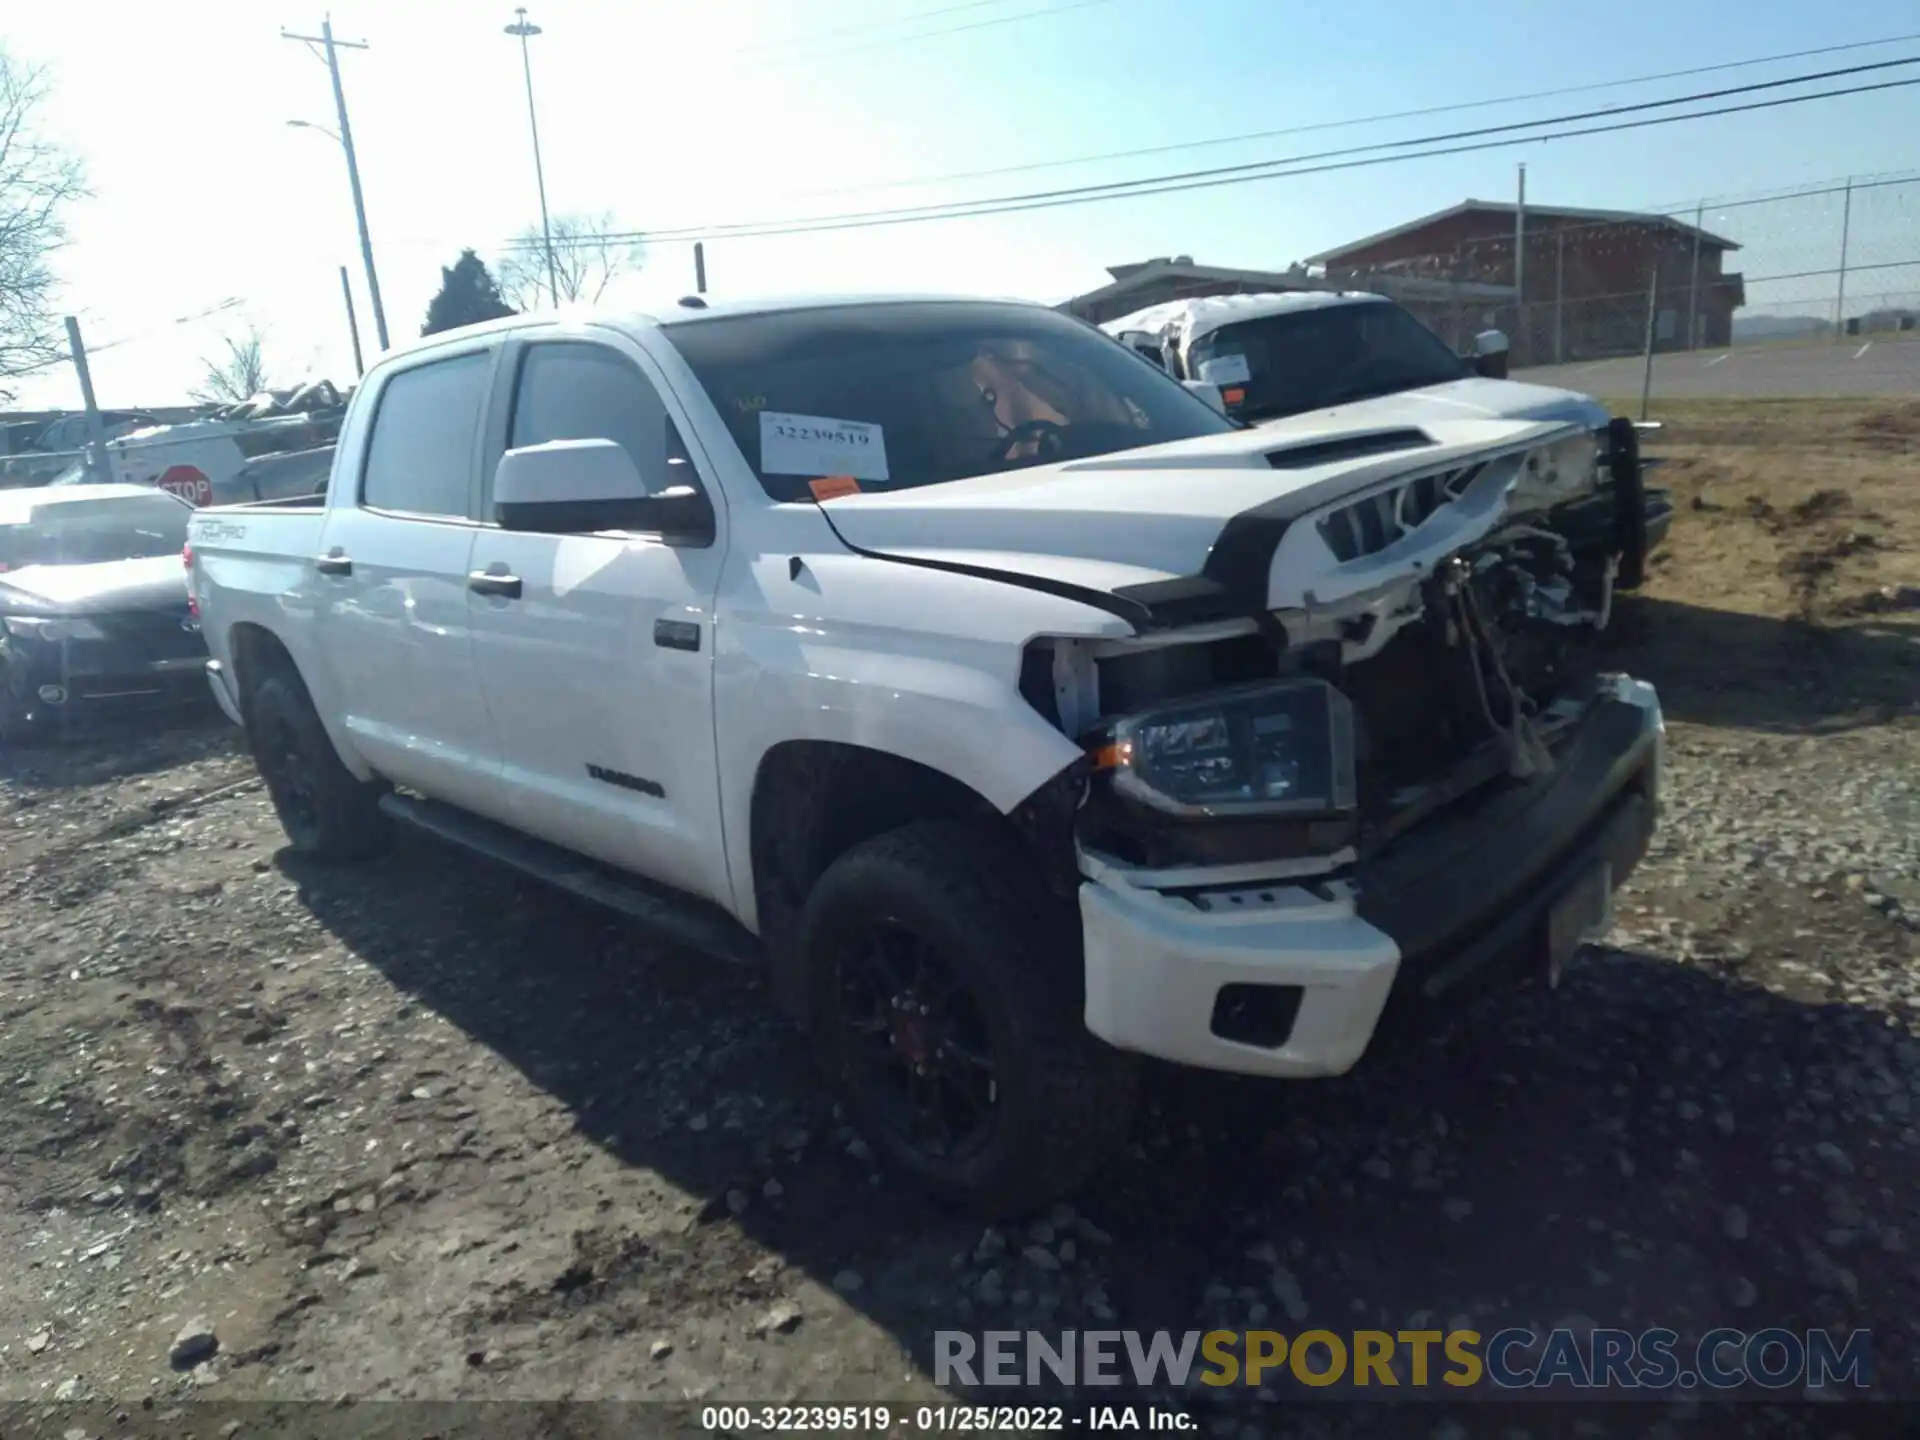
(420, 459)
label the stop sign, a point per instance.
(188, 482)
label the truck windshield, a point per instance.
(1310, 359)
(916, 393)
(87, 532)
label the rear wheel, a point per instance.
(324, 809)
(946, 1010)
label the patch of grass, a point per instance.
(1797, 509)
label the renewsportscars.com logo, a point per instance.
(1510, 1359)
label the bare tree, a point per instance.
(38, 181)
(589, 253)
(241, 375)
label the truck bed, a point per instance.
(295, 475)
(284, 505)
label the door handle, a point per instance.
(488, 582)
(335, 564)
(676, 634)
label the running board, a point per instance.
(679, 918)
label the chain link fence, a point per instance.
(1822, 262)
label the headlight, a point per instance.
(1567, 467)
(1271, 749)
(52, 629)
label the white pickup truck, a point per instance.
(1022, 713)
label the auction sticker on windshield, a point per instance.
(815, 445)
(1225, 370)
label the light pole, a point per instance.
(345, 140)
(525, 29)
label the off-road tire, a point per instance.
(1064, 1099)
(326, 812)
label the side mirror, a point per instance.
(1208, 392)
(582, 487)
(1490, 354)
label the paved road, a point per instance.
(1853, 367)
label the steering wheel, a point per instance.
(1041, 430)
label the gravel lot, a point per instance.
(424, 1131)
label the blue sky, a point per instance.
(734, 110)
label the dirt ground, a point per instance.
(424, 1132)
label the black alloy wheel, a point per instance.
(921, 1038)
(325, 810)
(288, 771)
(943, 996)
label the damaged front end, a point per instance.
(1403, 781)
(1429, 640)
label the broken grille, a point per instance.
(1369, 526)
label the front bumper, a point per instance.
(1293, 979)
(89, 677)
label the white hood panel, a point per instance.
(1151, 514)
(1473, 398)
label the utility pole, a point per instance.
(1521, 346)
(700, 267)
(353, 325)
(1693, 285)
(526, 30)
(96, 428)
(331, 46)
(1653, 308)
(1840, 298)
(1559, 289)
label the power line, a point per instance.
(1270, 169)
(865, 26)
(66, 356)
(1804, 190)
(1637, 297)
(1684, 212)
(1679, 210)
(775, 60)
(1832, 270)
(1325, 125)
(1250, 167)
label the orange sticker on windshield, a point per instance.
(832, 487)
(1233, 396)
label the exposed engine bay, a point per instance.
(1300, 741)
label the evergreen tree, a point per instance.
(467, 296)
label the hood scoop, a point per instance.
(1356, 446)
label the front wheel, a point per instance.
(950, 1024)
(326, 812)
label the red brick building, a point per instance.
(1587, 275)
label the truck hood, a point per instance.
(1474, 396)
(155, 583)
(1207, 513)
